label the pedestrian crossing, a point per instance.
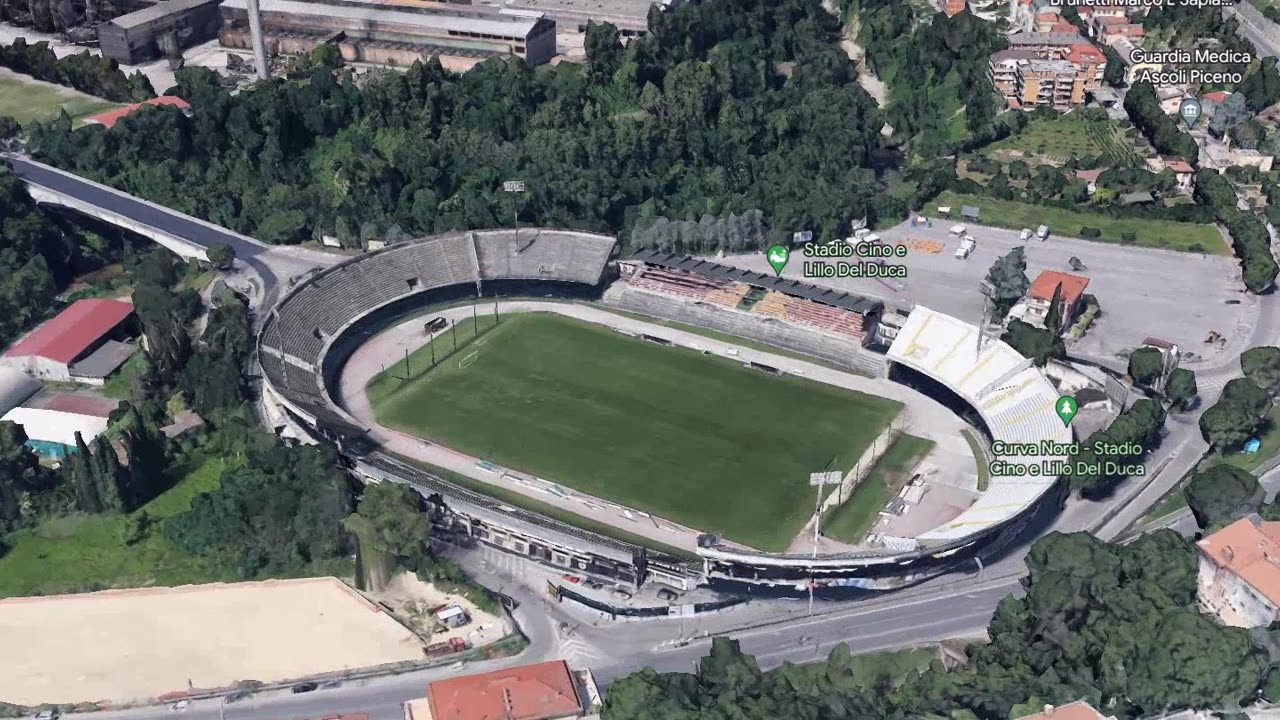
(576, 651)
(504, 564)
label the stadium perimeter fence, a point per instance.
(562, 593)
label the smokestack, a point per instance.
(255, 32)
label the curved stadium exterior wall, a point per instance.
(319, 321)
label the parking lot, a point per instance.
(1180, 297)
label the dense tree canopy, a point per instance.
(1115, 625)
(699, 117)
(1221, 494)
(1237, 416)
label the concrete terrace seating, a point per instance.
(320, 306)
(1020, 409)
(536, 254)
(841, 351)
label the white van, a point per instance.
(966, 247)
(1043, 232)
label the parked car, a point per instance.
(621, 594)
(305, 687)
(593, 584)
(1042, 232)
(51, 714)
(668, 595)
(237, 696)
(571, 578)
(1025, 234)
(180, 705)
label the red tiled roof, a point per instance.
(69, 334)
(1218, 97)
(78, 404)
(1084, 52)
(1089, 175)
(111, 117)
(1178, 165)
(1072, 287)
(955, 7)
(1251, 552)
(531, 692)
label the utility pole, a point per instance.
(475, 321)
(255, 35)
(406, 365)
(431, 340)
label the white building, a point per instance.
(1239, 576)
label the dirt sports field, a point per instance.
(125, 644)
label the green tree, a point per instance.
(1262, 366)
(221, 256)
(1237, 416)
(391, 530)
(1007, 280)
(1146, 364)
(1221, 494)
(1053, 317)
(1181, 388)
(1039, 344)
(21, 475)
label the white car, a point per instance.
(966, 247)
(180, 705)
(1025, 234)
(46, 715)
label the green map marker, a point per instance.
(778, 256)
(1067, 407)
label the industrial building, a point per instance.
(460, 36)
(166, 28)
(631, 17)
(82, 344)
(52, 419)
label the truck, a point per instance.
(1042, 232)
(966, 247)
(448, 647)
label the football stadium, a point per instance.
(591, 430)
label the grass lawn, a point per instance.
(1270, 438)
(26, 100)
(86, 552)
(1150, 233)
(697, 439)
(1060, 139)
(850, 521)
(552, 511)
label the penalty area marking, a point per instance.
(468, 360)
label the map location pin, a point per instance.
(778, 255)
(1189, 111)
(1066, 407)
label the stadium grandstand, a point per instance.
(1014, 403)
(302, 341)
(819, 321)
(325, 316)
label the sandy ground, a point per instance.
(412, 600)
(921, 415)
(127, 644)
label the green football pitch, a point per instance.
(697, 439)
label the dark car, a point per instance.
(305, 687)
(1233, 302)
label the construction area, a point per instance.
(123, 645)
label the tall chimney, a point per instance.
(255, 32)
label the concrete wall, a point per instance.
(180, 246)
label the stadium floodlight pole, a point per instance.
(475, 320)
(406, 365)
(255, 36)
(515, 186)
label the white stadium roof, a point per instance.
(1014, 399)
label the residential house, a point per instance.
(1239, 574)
